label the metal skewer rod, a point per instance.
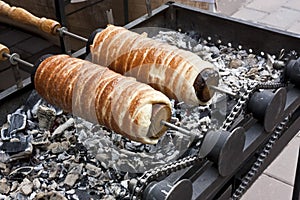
(222, 90)
(64, 31)
(172, 126)
(15, 58)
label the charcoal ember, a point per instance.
(46, 117)
(4, 186)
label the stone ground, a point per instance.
(276, 183)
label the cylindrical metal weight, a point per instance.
(164, 190)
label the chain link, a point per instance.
(249, 178)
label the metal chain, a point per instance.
(188, 161)
(242, 102)
(161, 171)
(239, 106)
(249, 178)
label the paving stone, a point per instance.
(12, 37)
(281, 18)
(229, 7)
(295, 27)
(268, 188)
(284, 166)
(33, 45)
(250, 14)
(266, 5)
(293, 4)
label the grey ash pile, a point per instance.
(41, 158)
(46, 153)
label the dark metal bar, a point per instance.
(17, 75)
(221, 90)
(66, 32)
(61, 18)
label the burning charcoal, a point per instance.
(46, 117)
(63, 127)
(26, 187)
(16, 122)
(4, 187)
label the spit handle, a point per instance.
(23, 16)
(3, 49)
